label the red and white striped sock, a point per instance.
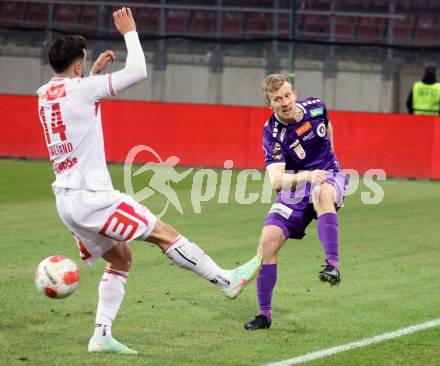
(111, 293)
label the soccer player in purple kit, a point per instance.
(303, 169)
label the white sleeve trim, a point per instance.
(273, 164)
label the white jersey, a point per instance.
(70, 115)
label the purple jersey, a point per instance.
(304, 145)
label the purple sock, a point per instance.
(265, 284)
(328, 234)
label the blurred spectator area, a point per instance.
(322, 20)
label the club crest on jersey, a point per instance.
(299, 151)
(316, 112)
(303, 129)
(321, 129)
(55, 92)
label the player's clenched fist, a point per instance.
(124, 21)
(312, 176)
(317, 176)
(102, 61)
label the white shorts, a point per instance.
(98, 220)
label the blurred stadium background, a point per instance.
(208, 58)
(223, 48)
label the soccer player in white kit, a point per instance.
(102, 220)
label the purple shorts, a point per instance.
(293, 211)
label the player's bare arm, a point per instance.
(101, 62)
(280, 179)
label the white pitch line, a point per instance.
(362, 343)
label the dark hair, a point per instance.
(64, 51)
(430, 76)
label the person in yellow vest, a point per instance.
(424, 97)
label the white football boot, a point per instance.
(109, 345)
(241, 276)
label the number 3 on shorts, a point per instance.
(123, 223)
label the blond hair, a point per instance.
(272, 83)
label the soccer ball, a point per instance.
(57, 277)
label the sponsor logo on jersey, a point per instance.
(296, 142)
(283, 132)
(299, 151)
(282, 210)
(309, 136)
(55, 92)
(59, 168)
(316, 112)
(321, 129)
(303, 129)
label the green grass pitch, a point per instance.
(390, 256)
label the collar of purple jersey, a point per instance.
(286, 124)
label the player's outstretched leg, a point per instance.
(111, 293)
(190, 256)
(328, 234)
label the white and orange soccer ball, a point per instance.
(57, 277)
